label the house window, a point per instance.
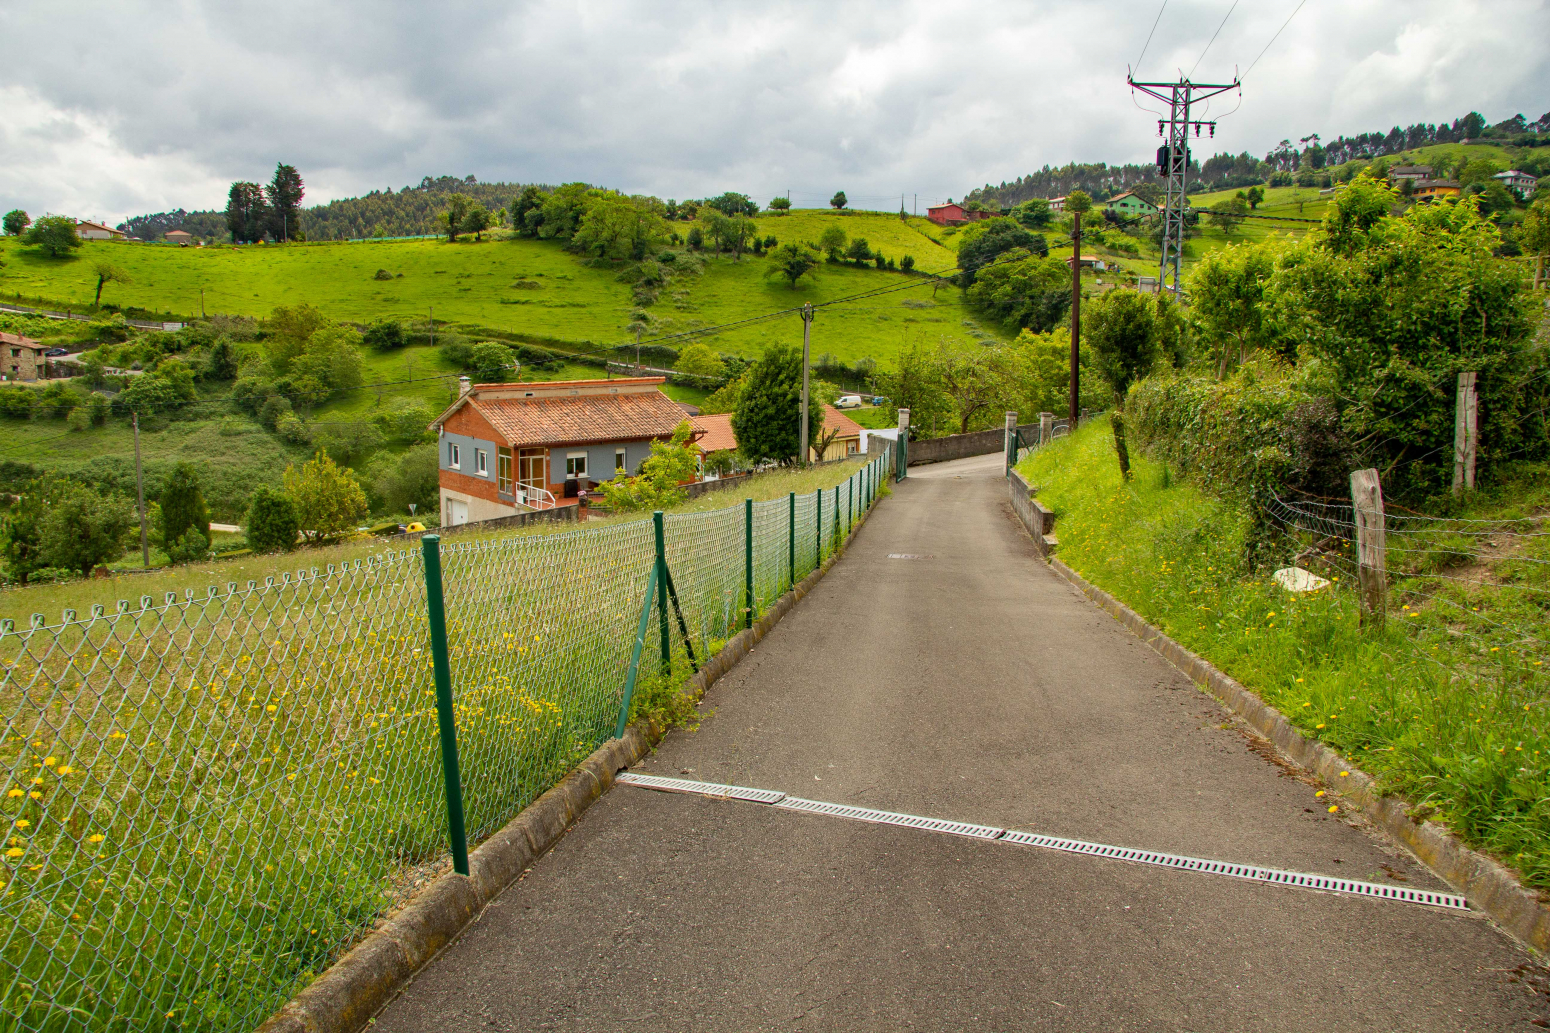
(503, 470)
(481, 465)
(621, 460)
(454, 457)
(575, 465)
(852, 447)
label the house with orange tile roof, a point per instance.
(510, 448)
(21, 358)
(717, 434)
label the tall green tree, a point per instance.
(16, 221)
(247, 212)
(792, 261)
(107, 273)
(21, 530)
(768, 419)
(456, 213)
(527, 211)
(328, 498)
(283, 194)
(54, 235)
(1033, 214)
(477, 220)
(183, 505)
(1534, 237)
(839, 200)
(273, 522)
(1128, 333)
(1227, 302)
(832, 241)
(780, 205)
(83, 530)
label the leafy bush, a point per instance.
(273, 522)
(190, 548)
(656, 485)
(329, 500)
(183, 507)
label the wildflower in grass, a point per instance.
(1319, 793)
(1317, 726)
(49, 762)
(1344, 774)
(15, 851)
(1333, 808)
(23, 823)
(95, 837)
(17, 792)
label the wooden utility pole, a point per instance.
(637, 351)
(145, 549)
(1465, 433)
(807, 334)
(1371, 553)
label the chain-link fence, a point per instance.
(208, 798)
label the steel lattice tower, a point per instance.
(1173, 160)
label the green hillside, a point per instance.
(516, 286)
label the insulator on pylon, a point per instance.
(1197, 130)
(1213, 130)
(1159, 127)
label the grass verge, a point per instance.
(1457, 721)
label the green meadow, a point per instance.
(513, 286)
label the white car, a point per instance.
(848, 402)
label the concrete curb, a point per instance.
(1488, 885)
(357, 986)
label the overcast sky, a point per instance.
(116, 109)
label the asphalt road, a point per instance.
(970, 684)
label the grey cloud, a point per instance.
(682, 99)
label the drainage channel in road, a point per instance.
(1254, 873)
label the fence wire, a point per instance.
(1480, 586)
(209, 797)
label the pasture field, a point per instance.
(511, 285)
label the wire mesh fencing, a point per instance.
(1481, 584)
(208, 797)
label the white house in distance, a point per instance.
(1520, 182)
(97, 231)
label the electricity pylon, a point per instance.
(1173, 160)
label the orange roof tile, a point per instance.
(581, 419)
(718, 431)
(833, 419)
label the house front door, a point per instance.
(533, 467)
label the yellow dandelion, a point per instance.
(96, 838)
(67, 770)
(1343, 774)
(49, 762)
(1333, 808)
(18, 792)
(23, 823)
(1319, 793)
(15, 851)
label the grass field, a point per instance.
(212, 794)
(511, 285)
(1445, 703)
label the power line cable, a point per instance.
(1277, 36)
(1149, 35)
(1215, 34)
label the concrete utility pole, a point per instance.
(145, 550)
(1173, 161)
(807, 335)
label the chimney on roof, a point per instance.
(463, 386)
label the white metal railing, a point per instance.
(534, 498)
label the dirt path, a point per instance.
(971, 684)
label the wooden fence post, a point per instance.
(1371, 554)
(1465, 433)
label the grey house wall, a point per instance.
(600, 459)
(468, 464)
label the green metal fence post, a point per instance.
(818, 527)
(661, 572)
(640, 644)
(430, 547)
(835, 546)
(850, 504)
(748, 562)
(791, 539)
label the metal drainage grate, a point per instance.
(1240, 871)
(911, 556)
(1252, 873)
(839, 810)
(685, 785)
